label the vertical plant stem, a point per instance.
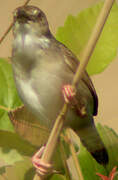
(64, 160)
(26, 3)
(93, 40)
(6, 32)
(74, 156)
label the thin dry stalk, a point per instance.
(74, 155)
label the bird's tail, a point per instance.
(93, 143)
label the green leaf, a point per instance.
(110, 139)
(20, 170)
(57, 177)
(88, 165)
(10, 156)
(8, 95)
(24, 170)
(5, 123)
(77, 30)
(12, 141)
(13, 163)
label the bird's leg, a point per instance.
(68, 93)
(42, 168)
(69, 97)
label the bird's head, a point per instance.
(30, 18)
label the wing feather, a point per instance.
(72, 62)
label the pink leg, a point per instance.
(69, 97)
(68, 93)
(41, 167)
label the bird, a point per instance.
(43, 70)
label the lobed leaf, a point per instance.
(77, 30)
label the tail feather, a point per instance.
(93, 143)
(101, 156)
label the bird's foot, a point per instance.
(68, 93)
(69, 97)
(42, 168)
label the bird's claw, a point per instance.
(69, 96)
(68, 93)
(42, 168)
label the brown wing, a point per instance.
(72, 63)
(28, 126)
